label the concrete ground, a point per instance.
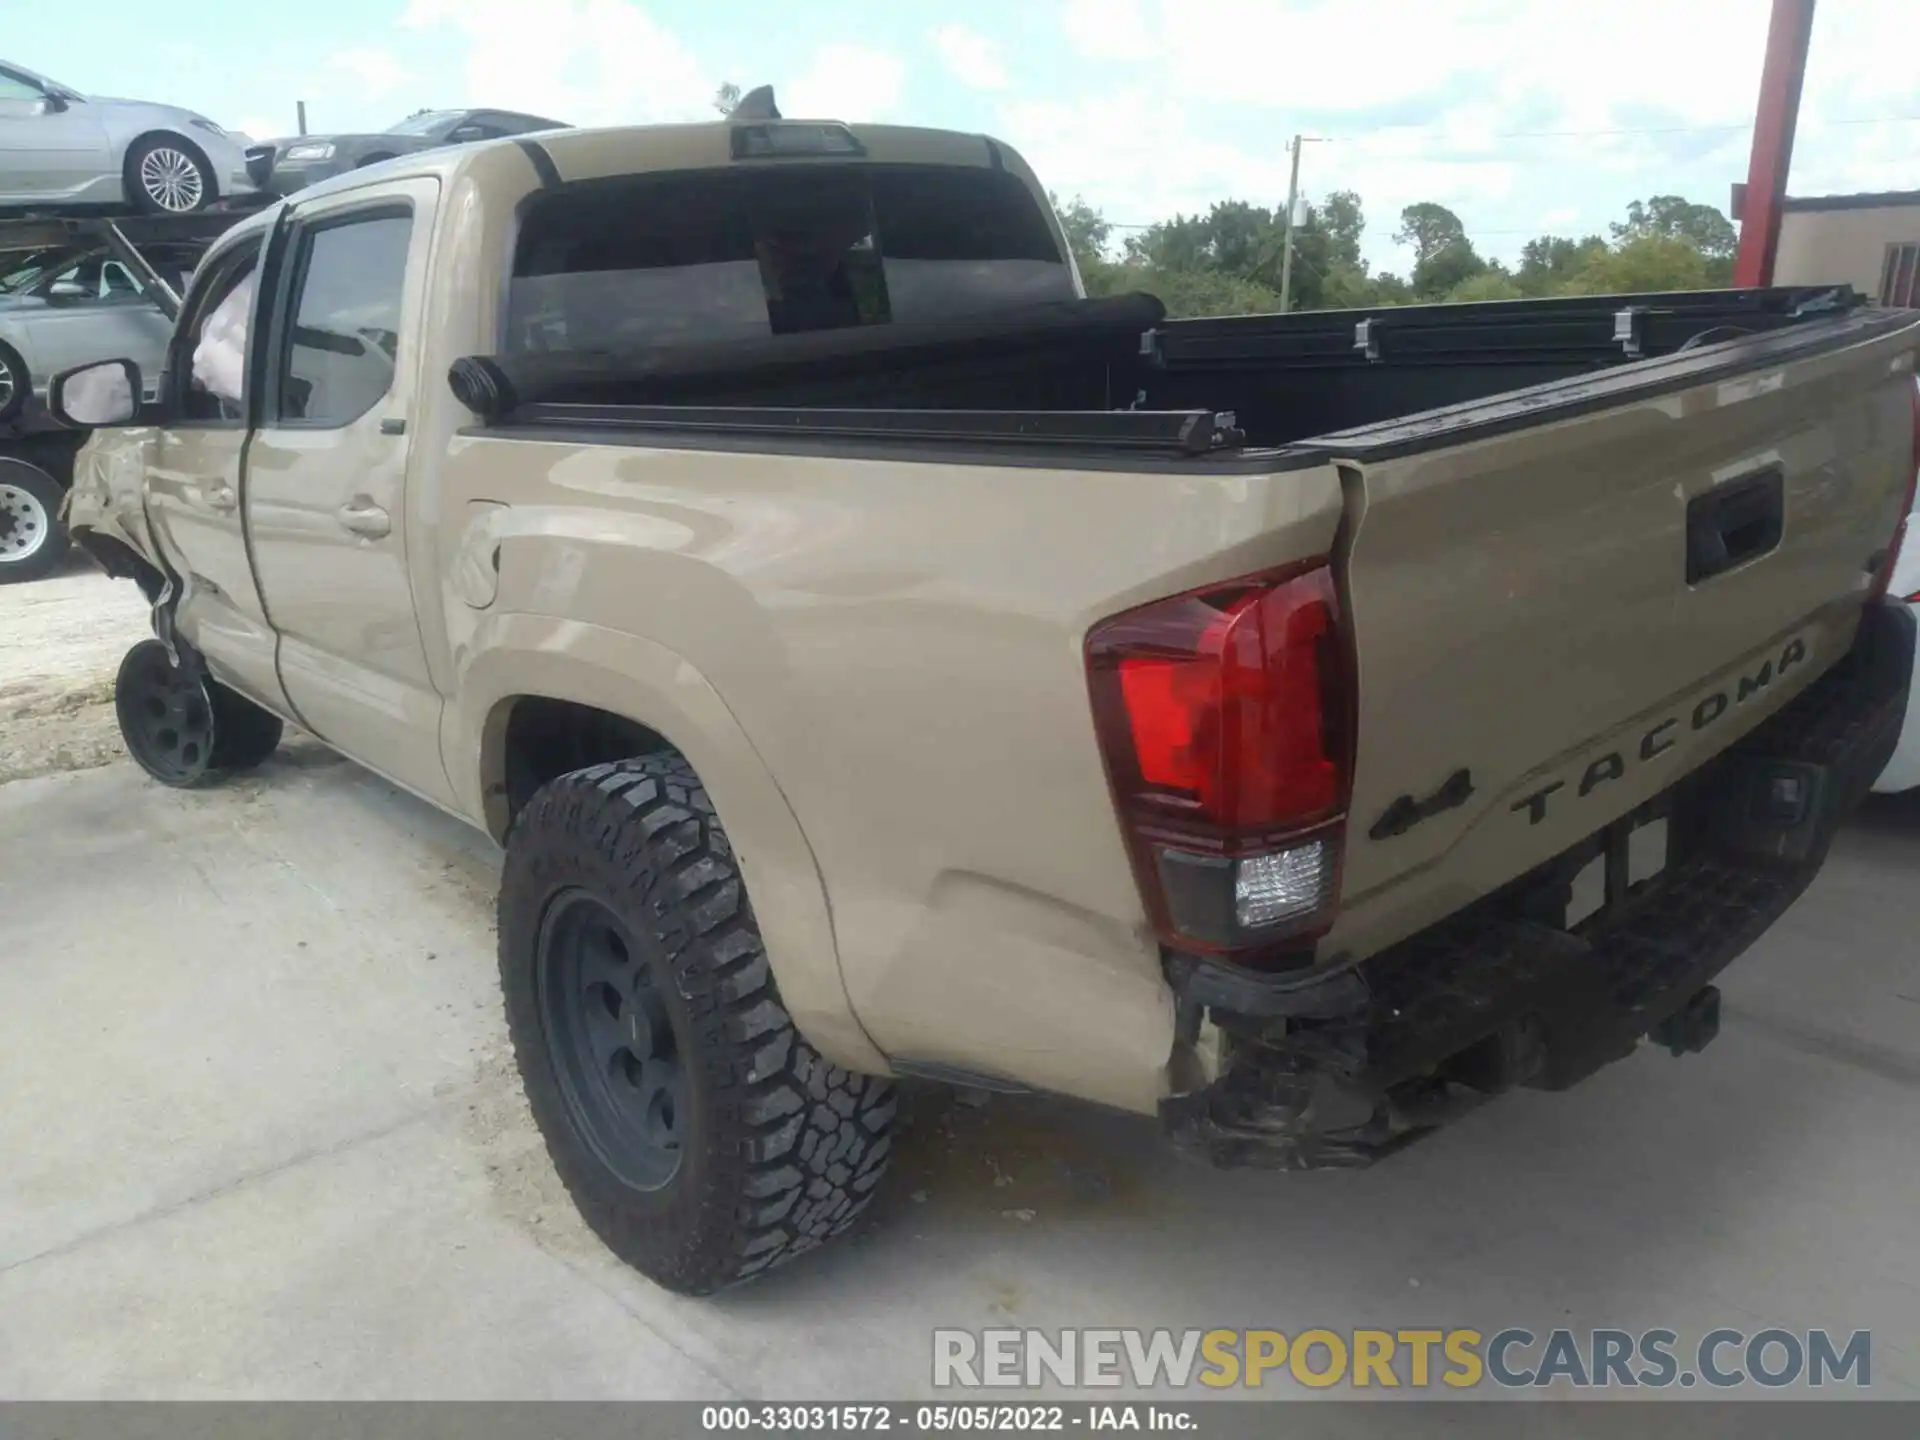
(259, 1137)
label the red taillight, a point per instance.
(1224, 715)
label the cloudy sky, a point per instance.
(1520, 116)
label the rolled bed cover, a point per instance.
(493, 386)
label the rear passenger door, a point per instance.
(326, 479)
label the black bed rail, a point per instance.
(1185, 432)
(1601, 329)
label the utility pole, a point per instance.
(1293, 203)
(300, 109)
(1286, 256)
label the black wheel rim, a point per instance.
(167, 719)
(613, 1044)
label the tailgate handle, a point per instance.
(1734, 523)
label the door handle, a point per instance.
(364, 518)
(219, 497)
(1735, 522)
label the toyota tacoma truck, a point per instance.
(879, 660)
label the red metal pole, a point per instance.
(1788, 36)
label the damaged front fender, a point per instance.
(106, 507)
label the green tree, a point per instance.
(1447, 269)
(1088, 232)
(1644, 265)
(1550, 262)
(1671, 217)
(1208, 292)
(1345, 223)
(1429, 229)
(1492, 283)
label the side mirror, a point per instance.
(67, 290)
(52, 104)
(107, 393)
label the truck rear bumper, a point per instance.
(1350, 1067)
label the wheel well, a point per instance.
(123, 563)
(545, 739)
(126, 166)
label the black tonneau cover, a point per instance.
(494, 386)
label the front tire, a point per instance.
(184, 728)
(33, 542)
(168, 176)
(700, 1135)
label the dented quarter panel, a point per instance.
(876, 665)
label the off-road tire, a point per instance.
(782, 1149)
(32, 499)
(183, 727)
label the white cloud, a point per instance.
(845, 82)
(1110, 29)
(373, 72)
(1192, 101)
(971, 56)
(1141, 156)
(588, 62)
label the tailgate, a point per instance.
(1577, 594)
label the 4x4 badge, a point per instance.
(1406, 812)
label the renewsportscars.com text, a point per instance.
(1458, 1359)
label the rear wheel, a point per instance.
(33, 542)
(166, 176)
(183, 728)
(703, 1139)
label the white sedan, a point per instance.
(1903, 770)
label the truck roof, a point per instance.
(637, 149)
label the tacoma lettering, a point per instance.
(1659, 738)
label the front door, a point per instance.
(326, 481)
(194, 483)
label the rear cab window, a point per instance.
(718, 255)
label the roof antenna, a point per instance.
(756, 104)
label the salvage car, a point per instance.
(877, 659)
(54, 316)
(289, 164)
(61, 148)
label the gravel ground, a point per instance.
(61, 640)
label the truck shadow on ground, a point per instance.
(1605, 1192)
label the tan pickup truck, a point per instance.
(878, 660)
